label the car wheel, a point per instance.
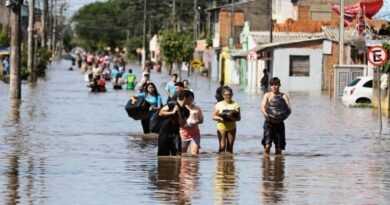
(363, 100)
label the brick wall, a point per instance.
(225, 24)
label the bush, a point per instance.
(4, 40)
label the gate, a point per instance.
(344, 74)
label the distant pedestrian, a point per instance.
(141, 87)
(6, 65)
(274, 130)
(79, 60)
(169, 141)
(218, 92)
(159, 66)
(226, 113)
(179, 87)
(264, 81)
(170, 87)
(131, 80)
(186, 85)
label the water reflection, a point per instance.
(272, 189)
(175, 179)
(14, 114)
(189, 179)
(13, 160)
(13, 180)
(166, 179)
(225, 180)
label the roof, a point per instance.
(261, 37)
(332, 33)
(261, 47)
(328, 32)
(228, 6)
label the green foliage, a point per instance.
(24, 73)
(111, 23)
(44, 56)
(99, 25)
(132, 45)
(176, 47)
(4, 40)
(386, 66)
(68, 36)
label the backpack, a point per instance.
(156, 120)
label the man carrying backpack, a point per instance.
(169, 142)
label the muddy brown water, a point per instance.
(64, 145)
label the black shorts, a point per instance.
(169, 145)
(274, 132)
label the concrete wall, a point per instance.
(281, 67)
(4, 16)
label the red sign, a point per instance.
(252, 56)
(377, 55)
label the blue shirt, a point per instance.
(115, 72)
(170, 87)
(5, 64)
(154, 101)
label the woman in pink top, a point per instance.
(190, 132)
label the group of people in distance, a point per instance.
(179, 130)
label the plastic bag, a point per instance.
(229, 115)
(139, 110)
(277, 108)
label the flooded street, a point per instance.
(64, 145)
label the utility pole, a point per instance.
(174, 14)
(44, 23)
(270, 21)
(144, 35)
(54, 19)
(50, 25)
(195, 21)
(233, 21)
(341, 34)
(30, 42)
(15, 81)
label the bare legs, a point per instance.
(194, 149)
(226, 140)
(267, 150)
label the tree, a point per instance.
(177, 47)
(109, 22)
(4, 40)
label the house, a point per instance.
(301, 59)
(154, 49)
(4, 17)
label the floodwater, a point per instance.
(64, 145)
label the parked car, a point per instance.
(358, 91)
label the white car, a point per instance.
(358, 91)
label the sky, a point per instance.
(74, 5)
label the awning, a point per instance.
(4, 50)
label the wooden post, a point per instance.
(15, 81)
(30, 42)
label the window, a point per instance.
(368, 84)
(353, 82)
(299, 66)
